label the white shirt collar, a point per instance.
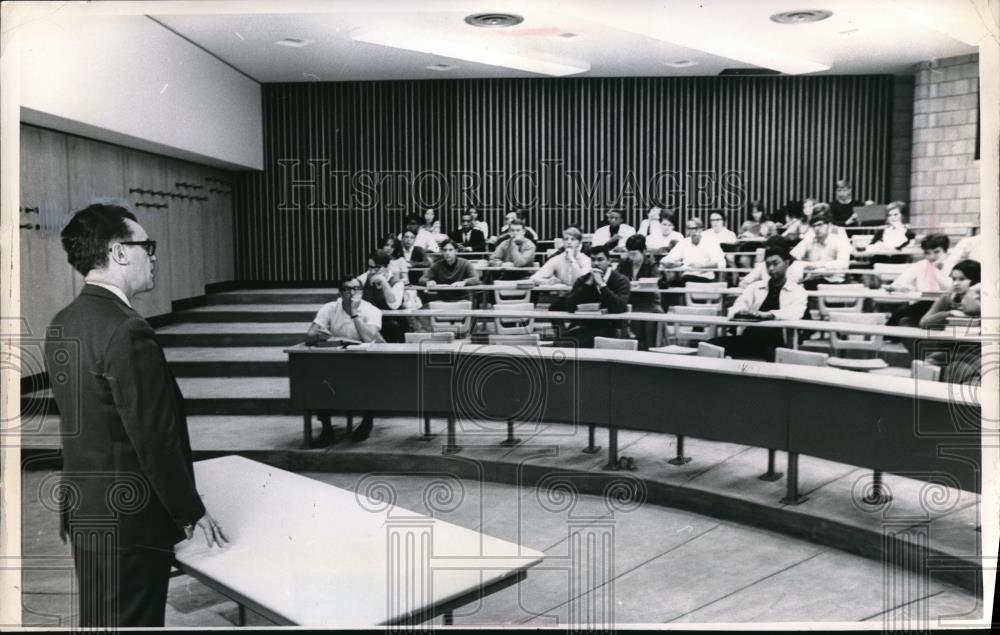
(113, 289)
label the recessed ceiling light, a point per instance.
(568, 36)
(681, 63)
(493, 20)
(441, 67)
(293, 42)
(801, 16)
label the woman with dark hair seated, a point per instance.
(964, 275)
(636, 265)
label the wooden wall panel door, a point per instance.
(47, 280)
(146, 171)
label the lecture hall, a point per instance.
(500, 313)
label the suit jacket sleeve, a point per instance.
(147, 402)
(614, 294)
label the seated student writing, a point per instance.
(924, 275)
(603, 286)
(567, 264)
(349, 318)
(450, 270)
(777, 298)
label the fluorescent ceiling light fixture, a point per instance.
(293, 42)
(681, 63)
(441, 67)
(478, 52)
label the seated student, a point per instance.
(822, 249)
(717, 229)
(432, 225)
(468, 238)
(759, 272)
(450, 270)
(698, 250)
(667, 238)
(778, 298)
(398, 266)
(422, 238)
(602, 285)
(515, 249)
(481, 225)
(758, 227)
(349, 317)
(896, 234)
(567, 264)
(384, 291)
(969, 248)
(924, 275)
(963, 276)
(516, 215)
(651, 224)
(842, 206)
(797, 215)
(636, 264)
(614, 233)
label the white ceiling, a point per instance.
(615, 37)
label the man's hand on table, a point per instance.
(212, 530)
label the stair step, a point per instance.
(249, 313)
(317, 296)
(246, 334)
(227, 361)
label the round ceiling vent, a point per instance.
(801, 16)
(494, 20)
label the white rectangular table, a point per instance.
(303, 552)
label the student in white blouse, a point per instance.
(614, 233)
(925, 275)
(718, 230)
(481, 225)
(650, 225)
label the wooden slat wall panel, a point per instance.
(783, 138)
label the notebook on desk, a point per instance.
(870, 214)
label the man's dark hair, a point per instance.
(635, 242)
(670, 217)
(781, 252)
(414, 219)
(380, 258)
(447, 241)
(343, 281)
(971, 270)
(933, 241)
(600, 249)
(516, 221)
(87, 235)
(819, 217)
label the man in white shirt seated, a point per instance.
(969, 248)
(384, 291)
(822, 249)
(566, 265)
(926, 275)
(347, 318)
(423, 238)
(777, 298)
(614, 233)
(697, 250)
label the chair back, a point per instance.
(711, 350)
(675, 333)
(459, 326)
(416, 338)
(506, 292)
(851, 303)
(871, 343)
(923, 370)
(514, 325)
(802, 358)
(616, 343)
(525, 339)
(696, 295)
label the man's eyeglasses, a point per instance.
(148, 245)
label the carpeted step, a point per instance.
(256, 334)
(228, 361)
(317, 296)
(249, 313)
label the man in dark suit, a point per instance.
(468, 238)
(603, 286)
(127, 491)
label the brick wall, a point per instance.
(945, 177)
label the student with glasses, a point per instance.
(349, 318)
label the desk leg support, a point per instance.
(350, 422)
(612, 448)
(591, 448)
(427, 427)
(792, 496)
(451, 447)
(511, 440)
(241, 615)
(307, 429)
(680, 459)
(449, 618)
(770, 475)
(877, 496)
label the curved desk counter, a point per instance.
(894, 424)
